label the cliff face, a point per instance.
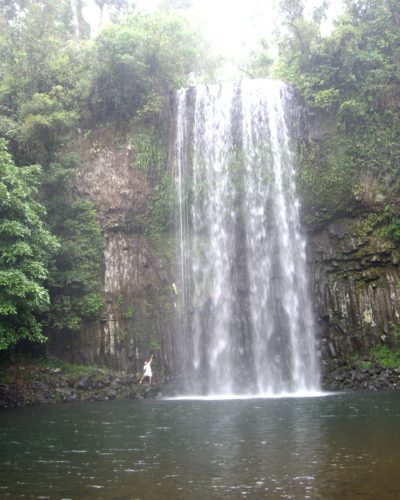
(353, 263)
(354, 269)
(355, 273)
(137, 272)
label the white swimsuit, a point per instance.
(147, 370)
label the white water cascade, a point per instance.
(245, 316)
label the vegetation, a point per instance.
(385, 356)
(52, 365)
(382, 355)
(26, 247)
(56, 83)
(137, 62)
(350, 80)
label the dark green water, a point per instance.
(340, 446)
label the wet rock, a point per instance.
(100, 384)
(42, 399)
(340, 374)
(10, 396)
(64, 394)
(357, 378)
(112, 394)
(32, 386)
(83, 382)
(152, 392)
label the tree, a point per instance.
(118, 4)
(39, 105)
(44, 125)
(36, 53)
(351, 81)
(177, 4)
(139, 61)
(74, 270)
(25, 249)
(82, 26)
(292, 11)
(358, 61)
(10, 10)
(259, 63)
(74, 278)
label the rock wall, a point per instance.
(354, 265)
(137, 272)
(355, 276)
(354, 270)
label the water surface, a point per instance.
(340, 446)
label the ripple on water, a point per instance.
(66, 452)
(193, 449)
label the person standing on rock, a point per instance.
(147, 370)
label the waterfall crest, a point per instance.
(244, 311)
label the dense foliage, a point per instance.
(74, 278)
(25, 249)
(137, 62)
(351, 81)
(57, 84)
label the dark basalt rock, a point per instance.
(33, 385)
(83, 382)
(355, 276)
(355, 378)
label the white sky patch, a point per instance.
(234, 27)
(232, 24)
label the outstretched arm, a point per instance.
(144, 370)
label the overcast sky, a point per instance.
(235, 26)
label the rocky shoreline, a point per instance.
(356, 378)
(34, 385)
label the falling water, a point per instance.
(245, 315)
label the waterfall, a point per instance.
(244, 312)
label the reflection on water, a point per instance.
(341, 446)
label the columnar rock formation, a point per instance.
(353, 267)
(136, 268)
(356, 279)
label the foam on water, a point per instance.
(230, 397)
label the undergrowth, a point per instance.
(53, 364)
(385, 356)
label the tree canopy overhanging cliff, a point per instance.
(350, 81)
(350, 170)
